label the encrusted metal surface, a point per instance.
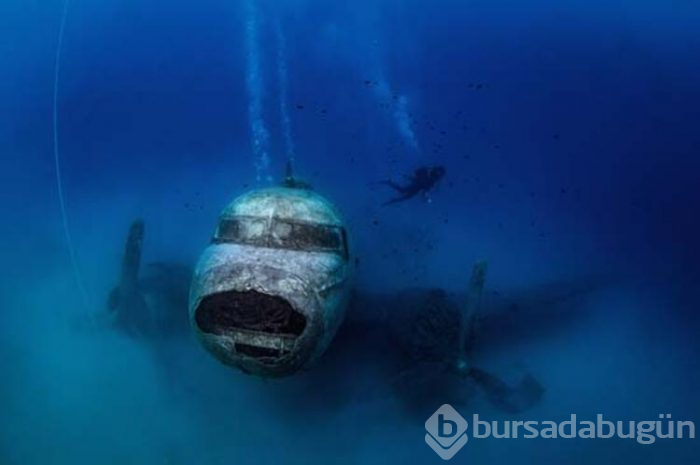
(314, 282)
(296, 204)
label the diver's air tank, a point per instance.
(270, 291)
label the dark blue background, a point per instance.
(569, 131)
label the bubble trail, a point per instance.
(282, 78)
(399, 107)
(260, 136)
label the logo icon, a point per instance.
(447, 432)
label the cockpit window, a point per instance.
(242, 230)
(304, 236)
(283, 234)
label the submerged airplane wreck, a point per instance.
(270, 293)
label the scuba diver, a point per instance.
(422, 181)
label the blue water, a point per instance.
(569, 131)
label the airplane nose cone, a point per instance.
(260, 319)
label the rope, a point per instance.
(57, 163)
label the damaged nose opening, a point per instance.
(270, 291)
(262, 326)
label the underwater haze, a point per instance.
(569, 132)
